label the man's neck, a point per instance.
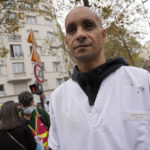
(87, 66)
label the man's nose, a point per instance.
(80, 35)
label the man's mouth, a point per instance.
(82, 46)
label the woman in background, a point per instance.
(14, 134)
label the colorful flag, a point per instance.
(31, 38)
(35, 56)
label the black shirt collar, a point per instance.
(90, 81)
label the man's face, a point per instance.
(30, 104)
(28, 109)
(84, 35)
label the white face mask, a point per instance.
(28, 110)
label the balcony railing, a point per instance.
(14, 38)
(18, 77)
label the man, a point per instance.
(147, 65)
(36, 118)
(106, 104)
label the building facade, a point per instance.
(16, 71)
(145, 51)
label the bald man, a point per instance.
(106, 104)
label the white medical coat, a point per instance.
(118, 120)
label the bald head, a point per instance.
(83, 9)
(85, 37)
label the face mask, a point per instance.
(28, 110)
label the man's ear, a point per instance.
(66, 42)
(104, 35)
(148, 68)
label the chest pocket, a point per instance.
(137, 129)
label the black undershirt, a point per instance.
(90, 81)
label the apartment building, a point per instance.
(16, 71)
(145, 51)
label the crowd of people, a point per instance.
(105, 105)
(24, 126)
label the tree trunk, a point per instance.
(86, 3)
(130, 56)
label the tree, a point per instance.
(86, 3)
(58, 36)
(121, 43)
(12, 17)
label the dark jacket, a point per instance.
(22, 134)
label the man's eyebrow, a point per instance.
(88, 21)
(70, 24)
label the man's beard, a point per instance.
(87, 57)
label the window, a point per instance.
(19, 87)
(59, 81)
(2, 92)
(56, 66)
(31, 48)
(18, 67)
(28, 6)
(8, 3)
(54, 52)
(44, 7)
(31, 19)
(47, 22)
(50, 35)
(12, 17)
(39, 51)
(42, 66)
(13, 37)
(16, 51)
(45, 85)
(35, 32)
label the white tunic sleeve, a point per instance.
(53, 136)
(147, 142)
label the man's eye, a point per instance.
(89, 26)
(71, 30)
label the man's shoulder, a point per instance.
(62, 87)
(133, 73)
(63, 91)
(133, 69)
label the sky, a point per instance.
(146, 5)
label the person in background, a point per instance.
(106, 104)
(147, 65)
(36, 118)
(14, 134)
(39, 105)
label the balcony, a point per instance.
(14, 38)
(19, 77)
